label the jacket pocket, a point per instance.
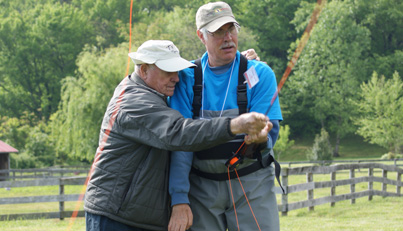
(130, 187)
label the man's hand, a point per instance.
(259, 137)
(181, 218)
(250, 54)
(250, 123)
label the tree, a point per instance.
(321, 149)
(31, 141)
(381, 107)
(270, 20)
(38, 48)
(329, 70)
(75, 126)
(384, 19)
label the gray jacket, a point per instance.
(129, 182)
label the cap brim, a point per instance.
(173, 64)
(216, 24)
(140, 59)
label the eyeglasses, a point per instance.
(234, 30)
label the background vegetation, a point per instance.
(61, 59)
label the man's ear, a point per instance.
(200, 35)
(143, 69)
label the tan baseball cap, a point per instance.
(163, 53)
(214, 15)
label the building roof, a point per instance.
(5, 148)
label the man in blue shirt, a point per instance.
(209, 195)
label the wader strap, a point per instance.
(242, 99)
(197, 89)
(243, 171)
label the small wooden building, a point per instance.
(5, 151)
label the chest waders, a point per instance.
(231, 150)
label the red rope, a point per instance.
(291, 64)
(232, 196)
(105, 136)
(250, 207)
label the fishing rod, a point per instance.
(298, 51)
(237, 157)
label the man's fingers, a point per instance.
(250, 54)
(181, 218)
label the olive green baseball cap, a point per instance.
(214, 15)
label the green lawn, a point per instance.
(351, 147)
(378, 214)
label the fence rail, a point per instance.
(284, 206)
(61, 198)
(310, 185)
(16, 174)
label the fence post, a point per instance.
(333, 188)
(284, 196)
(61, 202)
(399, 180)
(352, 186)
(370, 183)
(384, 185)
(309, 178)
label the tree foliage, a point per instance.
(270, 21)
(38, 49)
(32, 142)
(381, 106)
(283, 142)
(75, 126)
(329, 70)
(62, 60)
(321, 149)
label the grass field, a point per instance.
(378, 214)
(351, 147)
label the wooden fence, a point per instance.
(331, 185)
(284, 206)
(61, 198)
(19, 174)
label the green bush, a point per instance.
(283, 142)
(391, 156)
(321, 149)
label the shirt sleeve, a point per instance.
(273, 134)
(181, 162)
(179, 184)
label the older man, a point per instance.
(128, 188)
(214, 90)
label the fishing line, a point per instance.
(304, 39)
(106, 134)
(298, 50)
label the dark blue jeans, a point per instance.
(95, 222)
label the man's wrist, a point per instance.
(179, 198)
(231, 127)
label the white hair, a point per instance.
(204, 33)
(137, 67)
